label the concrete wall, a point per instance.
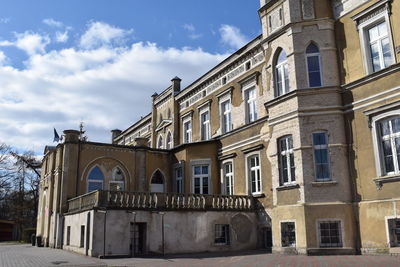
(184, 231)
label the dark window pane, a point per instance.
(385, 128)
(312, 48)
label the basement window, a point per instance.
(222, 234)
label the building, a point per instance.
(292, 143)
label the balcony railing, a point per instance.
(159, 201)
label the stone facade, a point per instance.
(290, 144)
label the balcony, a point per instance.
(159, 201)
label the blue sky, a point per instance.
(97, 61)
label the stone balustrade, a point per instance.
(159, 201)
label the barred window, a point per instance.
(330, 234)
(222, 234)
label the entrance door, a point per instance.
(266, 238)
(138, 239)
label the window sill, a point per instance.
(324, 183)
(386, 179)
(287, 187)
(258, 195)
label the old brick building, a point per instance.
(291, 143)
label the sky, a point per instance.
(99, 61)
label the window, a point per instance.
(205, 132)
(118, 180)
(82, 240)
(286, 160)
(169, 140)
(251, 106)
(226, 119)
(222, 234)
(228, 178)
(95, 180)
(313, 66)
(375, 36)
(187, 130)
(68, 235)
(201, 179)
(330, 234)
(157, 182)
(253, 163)
(281, 74)
(389, 141)
(379, 46)
(178, 179)
(321, 158)
(160, 142)
(288, 234)
(394, 232)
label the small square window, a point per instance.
(330, 234)
(222, 234)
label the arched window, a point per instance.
(169, 140)
(281, 74)
(160, 142)
(313, 66)
(157, 182)
(95, 180)
(118, 180)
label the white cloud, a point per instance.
(32, 43)
(3, 58)
(53, 23)
(6, 43)
(232, 36)
(61, 37)
(100, 34)
(5, 20)
(189, 27)
(102, 86)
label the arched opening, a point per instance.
(281, 74)
(313, 66)
(160, 142)
(95, 180)
(118, 180)
(169, 140)
(157, 182)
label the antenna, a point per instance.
(82, 137)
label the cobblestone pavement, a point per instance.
(28, 256)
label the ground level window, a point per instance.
(288, 234)
(330, 234)
(222, 234)
(394, 232)
(68, 235)
(82, 243)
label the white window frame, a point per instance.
(248, 174)
(364, 40)
(187, 134)
(279, 70)
(169, 144)
(205, 125)
(387, 218)
(251, 103)
(376, 138)
(177, 178)
(295, 232)
(226, 124)
(319, 63)
(318, 147)
(160, 139)
(225, 176)
(196, 163)
(291, 180)
(341, 231)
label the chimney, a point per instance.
(71, 136)
(176, 84)
(114, 134)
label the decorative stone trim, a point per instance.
(228, 156)
(385, 179)
(324, 183)
(251, 149)
(287, 187)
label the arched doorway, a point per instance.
(157, 182)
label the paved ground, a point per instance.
(28, 256)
